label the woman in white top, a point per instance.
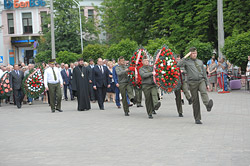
(248, 72)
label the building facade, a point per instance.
(20, 28)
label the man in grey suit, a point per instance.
(16, 78)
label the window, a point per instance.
(43, 15)
(27, 23)
(91, 14)
(10, 23)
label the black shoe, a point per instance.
(72, 99)
(182, 101)
(150, 117)
(119, 107)
(153, 112)
(198, 122)
(157, 106)
(127, 114)
(133, 100)
(66, 99)
(53, 111)
(139, 105)
(59, 110)
(101, 108)
(180, 115)
(190, 101)
(210, 105)
(130, 105)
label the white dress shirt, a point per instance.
(49, 76)
(1, 73)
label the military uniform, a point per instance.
(149, 89)
(138, 94)
(197, 81)
(177, 93)
(125, 87)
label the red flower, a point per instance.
(163, 48)
(133, 82)
(135, 53)
(171, 79)
(167, 54)
(169, 84)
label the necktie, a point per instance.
(17, 72)
(67, 73)
(101, 69)
(54, 74)
(197, 66)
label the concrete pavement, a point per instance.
(33, 136)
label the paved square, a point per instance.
(33, 136)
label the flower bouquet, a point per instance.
(135, 65)
(167, 74)
(33, 84)
(5, 85)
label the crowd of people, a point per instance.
(107, 81)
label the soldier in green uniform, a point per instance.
(138, 94)
(124, 86)
(197, 81)
(53, 83)
(183, 87)
(149, 88)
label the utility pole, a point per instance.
(221, 39)
(80, 15)
(52, 30)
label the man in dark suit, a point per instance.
(101, 81)
(16, 78)
(92, 92)
(66, 76)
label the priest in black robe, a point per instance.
(80, 86)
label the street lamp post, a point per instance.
(78, 4)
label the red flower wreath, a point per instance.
(134, 67)
(167, 73)
(5, 85)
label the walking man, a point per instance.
(66, 76)
(197, 81)
(149, 88)
(53, 83)
(101, 81)
(16, 78)
(123, 84)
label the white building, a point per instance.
(20, 27)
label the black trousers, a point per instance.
(92, 92)
(65, 86)
(19, 95)
(101, 94)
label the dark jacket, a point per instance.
(66, 78)
(100, 79)
(15, 80)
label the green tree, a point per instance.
(67, 29)
(237, 48)
(67, 57)
(94, 51)
(124, 48)
(43, 56)
(204, 50)
(154, 45)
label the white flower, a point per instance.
(161, 65)
(163, 72)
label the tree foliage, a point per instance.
(124, 48)
(94, 51)
(154, 45)
(237, 49)
(180, 21)
(67, 57)
(67, 29)
(204, 50)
